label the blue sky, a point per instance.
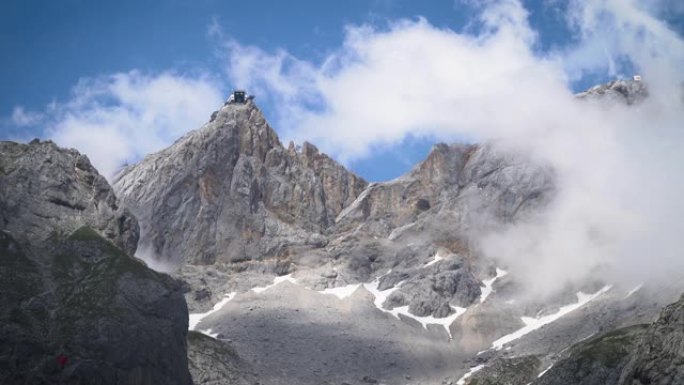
(49, 48)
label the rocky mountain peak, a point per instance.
(624, 90)
(229, 185)
(247, 124)
(444, 163)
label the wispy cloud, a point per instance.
(122, 117)
(22, 118)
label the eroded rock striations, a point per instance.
(74, 307)
(230, 192)
(46, 190)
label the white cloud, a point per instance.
(125, 116)
(617, 165)
(22, 118)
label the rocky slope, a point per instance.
(212, 362)
(233, 203)
(232, 209)
(659, 356)
(47, 190)
(230, 192)
(636, 355)
(67, 287)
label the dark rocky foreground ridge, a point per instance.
(67, 285)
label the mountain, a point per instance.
(74, 306)
(230, 192)
(621, 90)
(297, 271)
(308, 274)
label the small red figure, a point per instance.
(62, 360)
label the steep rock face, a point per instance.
(230, 191)
(659, 357)
(44, 190)
(458, 184)
(67, 288)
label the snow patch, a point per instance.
(472, 371)
(487, 289)
(544, 371)
(196, 318)
(276, 281)
(637, 288)
(438, 257)
(532, 324)
(381, 295)
(341, 292)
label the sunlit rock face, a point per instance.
(230, 192)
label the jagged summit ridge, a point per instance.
(623, 90)
(229, 187)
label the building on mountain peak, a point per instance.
(239, 97)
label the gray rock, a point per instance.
(625, 91)
(46, 190)
(230, 192)
(597, 361)
(505, 371)
(116, 321)
(214, 362)
(67, 286)
(659, 357)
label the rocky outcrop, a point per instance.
(635, 355)
(213, 362)
(597, 361)
(46, 190)
(503, 371)
(230, 192)
(74, 307)
(625, 91)
(659, 356)
(456, 188)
